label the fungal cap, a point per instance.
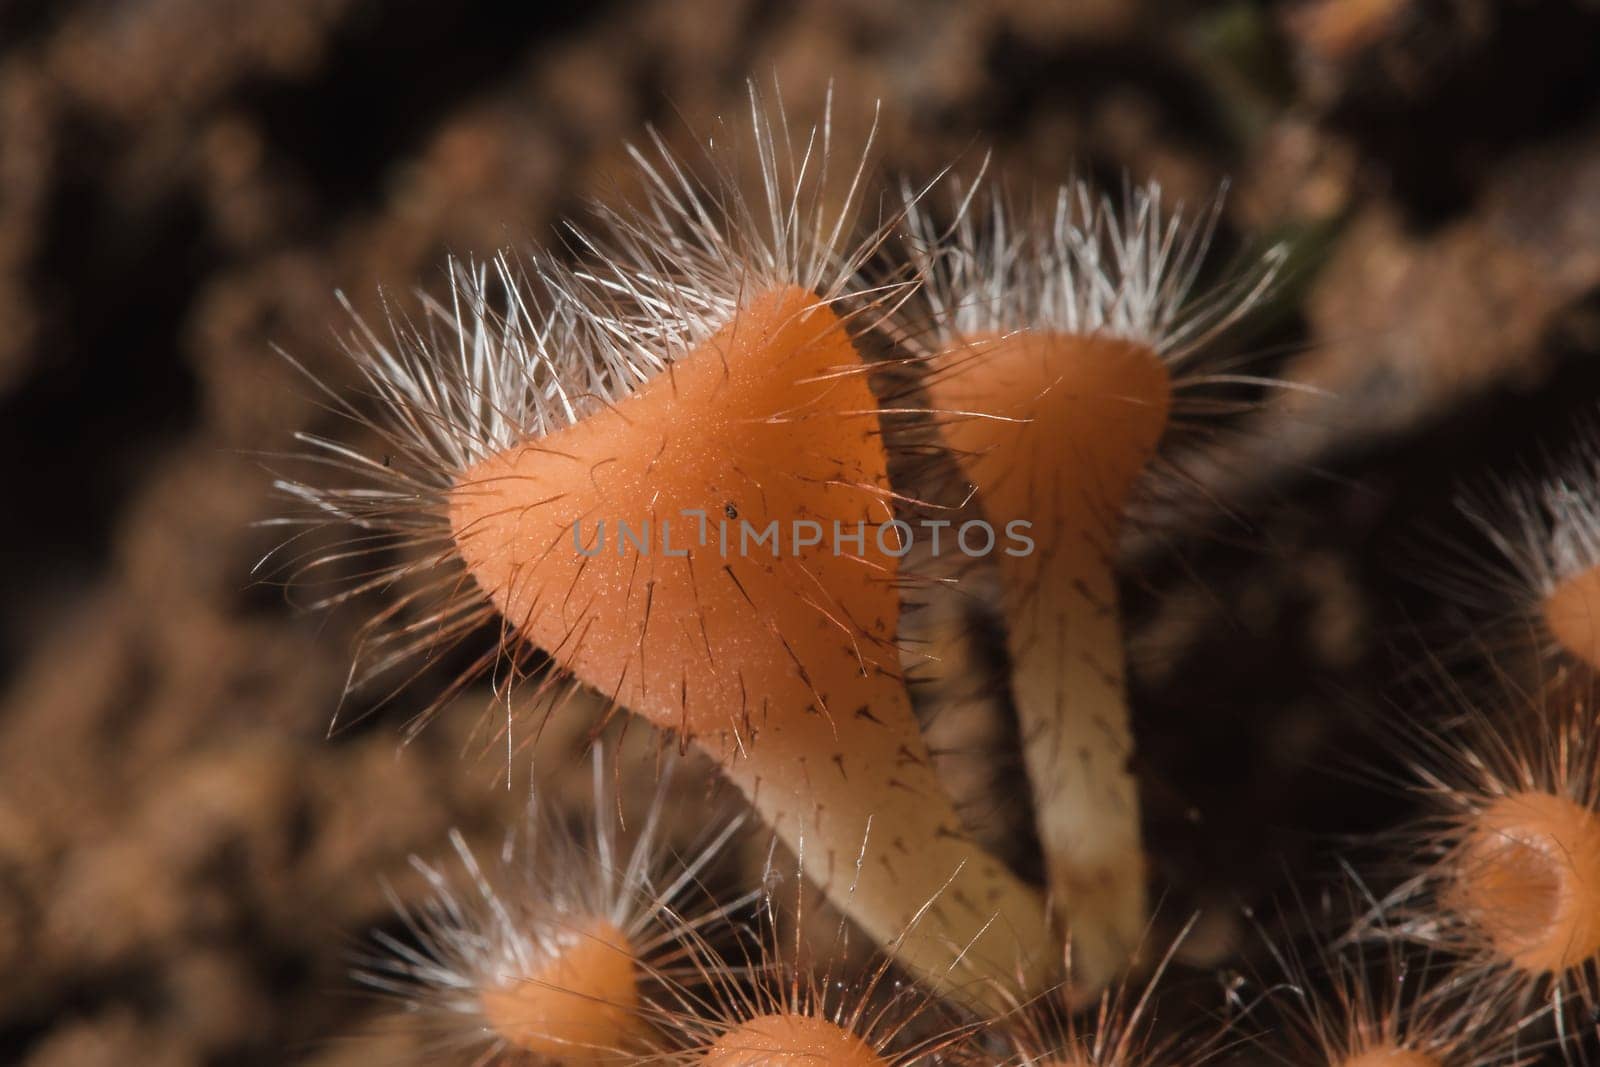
(1572, 614)
(1389, 1055)
(1529, 878)
(764, 421)
(791, 1037)
(580, 1006)
(1095, 404)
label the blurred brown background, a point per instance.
(186, 859)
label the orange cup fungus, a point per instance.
(780, 660)
(1528, 877)
(1069, 422)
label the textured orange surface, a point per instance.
(1061, 424)
(1572, 613)
(791, 1039)
(1390, 1057)
(580, 1007)
(755, 423)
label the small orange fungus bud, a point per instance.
(1572, 614)
(581, 1006)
